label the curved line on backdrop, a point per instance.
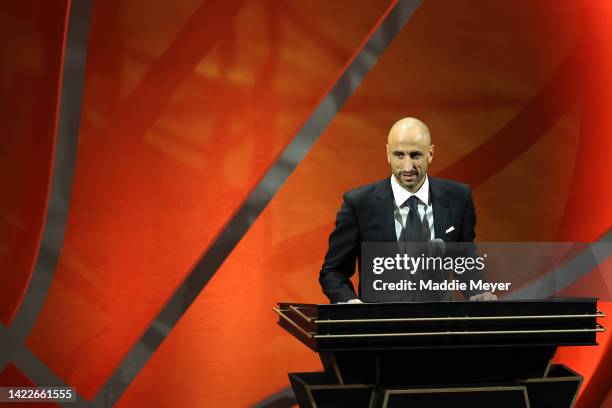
(591, 157)
(58, 202)
(600, 385)
(533, 121)
(40, 245)
(344, 85)
(63, 168)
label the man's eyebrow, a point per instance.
(407, 151)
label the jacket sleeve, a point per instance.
(468, 223)
(467, 236)
(340, 260)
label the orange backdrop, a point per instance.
(186, 106)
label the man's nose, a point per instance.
(407, 165)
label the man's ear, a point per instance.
(388, 155)
(430, 154)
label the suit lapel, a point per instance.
(441, 208)
(383, 211)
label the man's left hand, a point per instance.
(483, 297)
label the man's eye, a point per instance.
(415, 155)
(399, 155)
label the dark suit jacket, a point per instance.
(366, 215)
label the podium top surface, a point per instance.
(551, 322)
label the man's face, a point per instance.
(409, 153)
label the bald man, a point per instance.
(372, 213)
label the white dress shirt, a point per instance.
(400, 195)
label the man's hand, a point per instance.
(483, 296)
(351, 302)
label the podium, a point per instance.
(440, 354)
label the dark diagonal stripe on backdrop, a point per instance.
(30, 365)
(139, 111)
(364, 58)
(281, 399)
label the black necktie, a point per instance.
(413, 222)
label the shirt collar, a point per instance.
(400, 194)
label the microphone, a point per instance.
(436, 247)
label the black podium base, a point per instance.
(321, 391)
(438, 365)
(558, 388)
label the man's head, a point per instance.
(409, 152)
